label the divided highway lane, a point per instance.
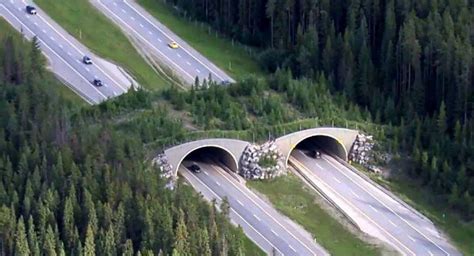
(63, 52)
(260, 221)
(184, 60)
(407, 231)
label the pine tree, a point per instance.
(89, 244)
(203, 243)
(49, 243)
(442, 120)
(21, 241)
(33, 238)
(181, 243)
(127, 248)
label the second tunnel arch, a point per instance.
(337, 141)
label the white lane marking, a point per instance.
(149, 32)
(355, 194)
(236, 213)
(373, 208)
(124, 11)
(246, 194)
(393, 224)
(179, 55)
(105, 85)
(338, 181)
(61, 46)
(44, 31)
(386, 206)
(291, 247)
(411, 238)
(198, 70)
(256, 217)
(133, 18)
(78, 61)
(27, 16)
(141, 25)
(319, 166)
(159, 40)
(139, 35)
(55, 53)
(273, 231)
(88, 70)
(52, 38)
(36, 23)
(187, 62)
(78, 50)
(69, 53)
(169, 37)
(238, 201)
(206, 173)
(299, 165)
(115, 93)
(430, 253)
(115, 4)
(218, 184)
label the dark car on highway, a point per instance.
(97, 82)
(316, 154)
(30, 9)
(194, 168)
(87, 60)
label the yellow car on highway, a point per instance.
(173, 45)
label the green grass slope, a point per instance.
(234, 60)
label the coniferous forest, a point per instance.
(76, 180)
(408, 62)
(72, 184)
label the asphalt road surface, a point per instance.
(407, 231)
(263, 224)
(64, 53)
(187, 62)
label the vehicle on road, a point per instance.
(316, 154)
(225, 82)
(31, 9)
(97, 82)
(87, 60)
(173, 45)
(194, 168)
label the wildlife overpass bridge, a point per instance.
(337, 141)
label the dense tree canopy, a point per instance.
(74, 182)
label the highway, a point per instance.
(404, 229)
(263, 224)
(65, 53)
(184, 61)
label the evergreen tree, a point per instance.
(89, 244)
(21, 241)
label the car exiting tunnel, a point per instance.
(324, 143)
(212, 155)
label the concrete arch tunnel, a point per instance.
(336, 141)
(227, 151)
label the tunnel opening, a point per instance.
(211, 155)
(323, 143)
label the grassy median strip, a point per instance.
(234, 60)
(102, 36)
(291, 197)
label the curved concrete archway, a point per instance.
(337, 141)
(228, 151)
